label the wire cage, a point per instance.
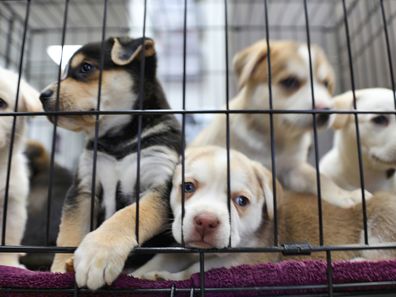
(196, 41)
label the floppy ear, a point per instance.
(124, 50)
(265, 181)
(343, 101)
(29, 98)
(249, 64)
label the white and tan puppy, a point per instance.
(18, 183)
(206, 222)
(291, 90)
(377, 137)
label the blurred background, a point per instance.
(206, 48)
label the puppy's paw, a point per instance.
(161, 275)
(356, 196)
(100, 258)
(350, 199)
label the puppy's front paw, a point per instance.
(100, 259)
(356, 196)
(162, 275)
(353, 198)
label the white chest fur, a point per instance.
(156, 168)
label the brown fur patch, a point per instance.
(77, 60)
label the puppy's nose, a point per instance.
(206, 223)
(322, 118)
(45, 95)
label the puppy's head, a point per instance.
(377, 131)
(206, 222)
(290, 79)
(79, 86)
(28, 101)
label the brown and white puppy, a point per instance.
(291, 90)
(19, 179)
(101, 254)
(377, 137)
(206, 222)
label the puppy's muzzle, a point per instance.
(322, 118)
(206, 224)
(46, 95)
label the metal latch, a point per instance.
(296, 249)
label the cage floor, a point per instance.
(297, 278)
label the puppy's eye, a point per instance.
(189, 187)
(380, 120)
(290, 82)
(241, 201)
(86, 68)
(3, 104)
(326, 83)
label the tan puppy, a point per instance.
(378, 142)
(291, 89)
(206, 221)
(19, 179)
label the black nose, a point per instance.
(322, 118)
(45, 95)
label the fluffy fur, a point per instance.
(19, 179)
(377, 137)
(101, 254)
(252, 224)
(291, 90)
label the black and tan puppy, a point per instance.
(100, 256)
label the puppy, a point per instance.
(377, 137)
(291, 90)
(18, 190)
(35, 233)
(207, 223)
(100, 257)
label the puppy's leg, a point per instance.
(15, 227)
(101, 255)
(210, 263)
(302, 178)
(74, 226)
(167, 262)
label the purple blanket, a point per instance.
(296, 273)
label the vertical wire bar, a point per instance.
(227, 83)
(75, 291)
(388, 49)
(271, 118)
(361, 172)
(202, 273)
(12, 139)
(95, 144)
(192, 291)
(182, 146)
(315, 129)
(329, 272)
(54, 131)
(139, 130)
(9, 42)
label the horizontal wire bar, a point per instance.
(148, 250)
(196, 111)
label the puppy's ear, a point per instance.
(125, 50)
(250, 64)
(30, 101)
(343, 101)
(265, 181)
